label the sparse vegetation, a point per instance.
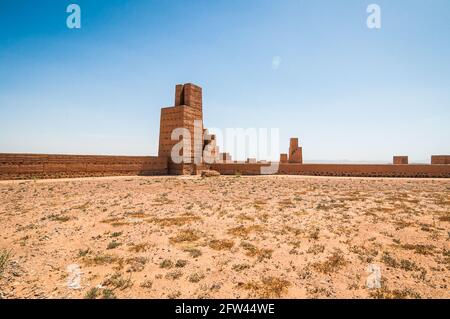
(117, 281)
(268, 287)
(148, 284)
(224, 244)
(136, 264)
(420, 249)
(166, 263)
(113, 244)
(193, 252)
(4, 258)
(83, 252)
(92, 293)
(59, 218)
(173, 275)
(139, 248)
(332, 264)
(116, 234)
(243, 231)
(196, 277)
(185, 236)
(175, 221)
(181, 263)
(271, 237)
(102, 259)
(253, 251)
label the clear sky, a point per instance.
(310, 68)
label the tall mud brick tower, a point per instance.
(295, 152)
(186, 113)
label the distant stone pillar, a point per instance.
(400, 160)
(295, 152)
(440, 159)
(225, 158)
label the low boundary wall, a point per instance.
(30, 166)
(357, 170)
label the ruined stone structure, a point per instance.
(200, 154)
(187, 113)
(284, 158)
(400, 160)
(295, 152)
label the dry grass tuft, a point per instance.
(139, 248)
(136, 264)
(174, 221)
(185, 236)
(385, 293)
(117, 281)
(260, 253)
(332, 264)
(115, 221)
(224, 244)
(4, 257)
(268, 287)
(59, 218)
(420, 249)
(243, 231)
(193, 252)
(102, 259)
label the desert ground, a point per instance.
(225, 237)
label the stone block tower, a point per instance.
(186, 114)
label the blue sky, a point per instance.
(348, 92)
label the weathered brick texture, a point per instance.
(29, 166)
(295, 152)
(354, 170)
(440, 159)
(186, 114)
(284, 158)
(400, 160)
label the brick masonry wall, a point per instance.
(356, 170)
(440, 159)
(400, 160)
(29, 166)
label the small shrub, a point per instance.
(181, 263)
(116, 281)
(108, 294)
(196, 277)
(113, 245)
(92, 293)
(116, 234)
(332, 264)
(173, 275)
(166, 263)
(224, 244)
(193, 252)
(4, 258)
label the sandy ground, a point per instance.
(225, 237)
